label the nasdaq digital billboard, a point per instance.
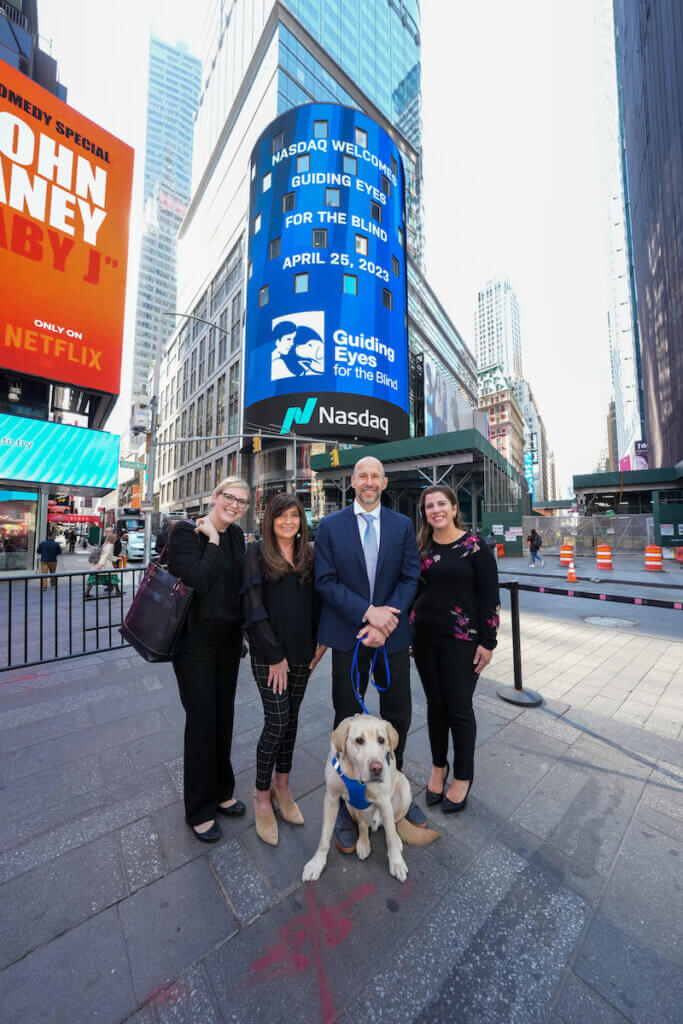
(65, 189)
(326, 334)
(37, 451)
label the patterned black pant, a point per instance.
(276, 744)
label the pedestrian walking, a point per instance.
(366, 572)
(281, 612)
(49, 551)
(72, 538)
(455, 620)
(102, 574)
(534, 543)
(492, 544)
(209, 557)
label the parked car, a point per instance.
(136, 547)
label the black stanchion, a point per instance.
(517, 694)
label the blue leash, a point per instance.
(355, 675)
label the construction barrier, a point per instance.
(566, 553)
(653, 558)
(604, 557)
(571, 575)
(501, 550)
(592, 595)
(678, 555)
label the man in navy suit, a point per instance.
(366, 572)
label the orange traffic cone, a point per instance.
(571, 575)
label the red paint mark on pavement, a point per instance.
(320, 926)
(168, 995)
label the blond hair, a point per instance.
(232, 481)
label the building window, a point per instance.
(362, 244)
(350, 165)
(250, 269)
(332, 197)
(278, 142)
(197, 480)
(361, 138)
(218, 472)
(385, 185)
(263, 296)
(394, 166)
(268, 180)
(207, 477)
(376, 212)
(257, 223)
(350, 284)
(395, 266)
(189, 484)
(253, 175)
(320, 238)
(274, 251)
(300, 283)
(401, 238)
(287, 202)
(387, 299)
(320, 129)
(303, 163)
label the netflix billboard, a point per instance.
(65, 191)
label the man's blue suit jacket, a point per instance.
(342, 580)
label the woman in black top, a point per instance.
(455, 619)
(281, 617)
(209, 557)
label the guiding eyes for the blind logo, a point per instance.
(298, 345)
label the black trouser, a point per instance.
(394, 703)
(281, 713)
(449, 681)
(206, 668)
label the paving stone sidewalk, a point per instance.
(556, 895)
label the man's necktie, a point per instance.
(370, 549)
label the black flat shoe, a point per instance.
(431, 797)
(235, 810)
(212, 835)
(450, 807)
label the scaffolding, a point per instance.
(626, 535)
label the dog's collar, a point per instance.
(356, 789)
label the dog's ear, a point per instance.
(392, 736)
(340, 734)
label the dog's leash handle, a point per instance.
(355, 675)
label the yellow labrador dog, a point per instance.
(362, 770)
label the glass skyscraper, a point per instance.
(173, 91)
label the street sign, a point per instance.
(130, 464)
(146, 508)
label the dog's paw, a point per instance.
(363, 847)
(313, 869)
(398, 868)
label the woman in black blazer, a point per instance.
(209, 557)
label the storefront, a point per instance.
(38, 458)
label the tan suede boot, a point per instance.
(266, 825)
(289, 809)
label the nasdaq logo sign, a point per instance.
(297, 415)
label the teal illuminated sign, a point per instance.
(36, 451)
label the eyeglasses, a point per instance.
(230, 499)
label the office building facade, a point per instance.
(506, 421)
(498, 339)
(173, 90)
(621, 322)
(649, 56)
(535, 439)
(260, 61)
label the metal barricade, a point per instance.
(51, 617)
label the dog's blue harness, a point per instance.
(356, 789)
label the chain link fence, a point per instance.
(626, 535)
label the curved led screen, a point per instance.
(326, 336)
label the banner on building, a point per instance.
(65, 190)
(641, 455)
(529, 471)
(326, 334)
(445, 408)
(37, 451)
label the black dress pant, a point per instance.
(394, 704)
(449, 681)
(206, 668)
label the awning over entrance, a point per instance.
(463, 459)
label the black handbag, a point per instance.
(154, 622)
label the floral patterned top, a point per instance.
(457, 597)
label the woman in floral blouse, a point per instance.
(455, 618)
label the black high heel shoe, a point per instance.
(435, 798)
(451, 807)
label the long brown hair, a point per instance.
(275, 562)
(426, 534)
